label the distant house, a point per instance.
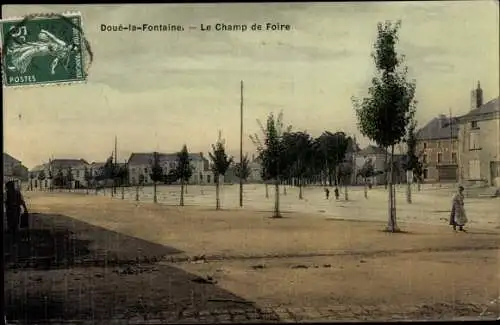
(13, 169)
(76, 166)
(479, 142)
(377, 156)
(139, 165)
(437, 143)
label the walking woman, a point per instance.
(13, 202)
(458, 216)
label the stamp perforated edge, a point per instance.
(42, 15)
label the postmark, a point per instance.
(44, 49)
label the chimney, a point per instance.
(473, 100)
(443, 120)
(479, 95)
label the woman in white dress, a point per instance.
(458, 215)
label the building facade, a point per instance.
(47, 174)
(479, 142)
(377, 157)
(140, 164)
(13, 169)
(437, 146)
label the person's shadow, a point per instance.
(66, 269)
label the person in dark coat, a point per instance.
(14, 201)
(327, 193)
(336, 193)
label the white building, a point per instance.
(41, 174)
(140, 164)
(377, 156)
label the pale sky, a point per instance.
(159, 90)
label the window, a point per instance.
(474, 125)
(474, 141)
(454, 157)
(474, 169)
(425, 145)
(145, 169)
(425, 173)
(440, 157)
(424, 160)
(77, 173)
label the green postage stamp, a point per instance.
(44, 49)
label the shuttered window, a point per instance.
(474, 169)
(474, 141)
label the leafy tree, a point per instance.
(184, 170)
(156, 173)
(384, 115)
(59, 178)
(366, 171)
(32, 177)
(108, 172)
(171, 177)
(343, 174)
(87, 175)
(142, 179)
(299, 153)
(68, 180)
(272, 154)
(242, 169)
(332, 148)
(413, 161)
(220, 163)
(41, 177)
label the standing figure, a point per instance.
(458, 216)
(336, 193)
(13, 202)
(327, 193)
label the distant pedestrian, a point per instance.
(336, 191)
(458, 217)
(14, 201)
(327, 193)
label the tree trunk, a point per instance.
(284, 189)
(408, 191)
(137, 193)
(123, 192)
(346, 195)
(87, 189)
(418, 185)
(366, 189)
(217, 197)
(300, 189)
(277, 199)
(96, 190)
(392, 224)
(186, 188)
(154, 192)
(267, 191)
(385, 171)
(182, 193)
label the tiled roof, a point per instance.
(65, 163)
(39, 168)
(439, 128)
(8, 159)
(490, 107)
(146, 158)
(372, 150)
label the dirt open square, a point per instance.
(126, 260)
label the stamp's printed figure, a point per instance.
(43, 50)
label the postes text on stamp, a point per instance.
(43, 49)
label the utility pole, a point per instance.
(241, 142)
